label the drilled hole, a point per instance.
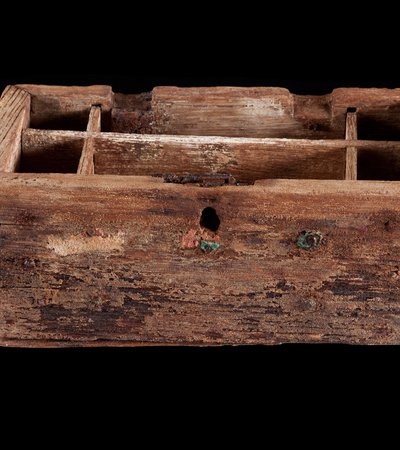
(209, 219)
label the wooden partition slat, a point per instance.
(351, 152)
(34, 136)
(86, 163)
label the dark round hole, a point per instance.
(209, 219)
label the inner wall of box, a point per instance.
(226, 112)
(234, 112)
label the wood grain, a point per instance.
(14, 117)
(351, 152)
(98, 261)
(86, 163)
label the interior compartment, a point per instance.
(380, 125)
(68, 107)
(378, 164)
(378, 111)
(186, 133)
(74, 121)
(53, 156)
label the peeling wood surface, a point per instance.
(14, 117)
(98, 261)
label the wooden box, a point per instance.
(201, 216)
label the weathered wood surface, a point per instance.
(14, 117)
(86, 163)
(98, 261)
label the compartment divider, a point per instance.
(86, 163)
(351, 152)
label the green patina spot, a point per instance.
(309, 240)
(208, 247)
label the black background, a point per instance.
(133, 82)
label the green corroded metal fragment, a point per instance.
(208, 247)
(309, 240)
